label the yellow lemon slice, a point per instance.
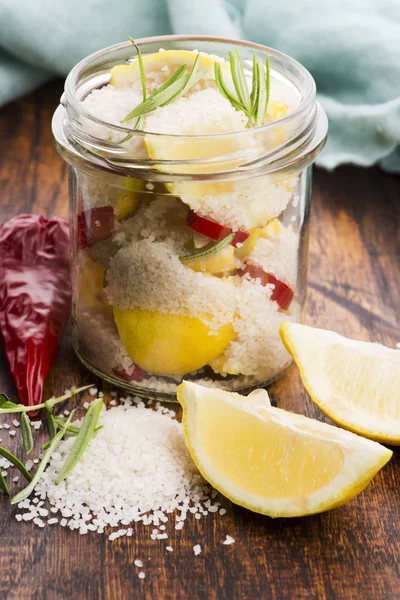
(128, 202)
(355, 383)
(273, 229)
(222, 261)
(169, 344)
(272, 461)
(158, 68)
(161, 65)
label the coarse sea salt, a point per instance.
(136, 469)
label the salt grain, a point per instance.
(197, 549)
(142, 575)
(138, 563)
(15, 423)
(229, 540)
(169, 549)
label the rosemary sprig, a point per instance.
(83, 438)
(3, 485)
(16, 462)
(26, 432)
(5, 402)
(254, 104)
(72, 429)
(42, 465)
(61, 422)
(210, 249)
(139, 122)
(7, 407)
(177, 85)
(51, 425)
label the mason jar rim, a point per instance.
(304, 105)
(306, 125)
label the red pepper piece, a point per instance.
(134, 373)
(282, 293)
(240, 237)
(213, 230)
(35, 290)
(95, 225)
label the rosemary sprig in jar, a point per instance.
(254, 104)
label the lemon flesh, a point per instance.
(272, 461)
(123, 76)
(168, 344)
(128, 201)
(273, 229)
(217, 262)
(355, 383)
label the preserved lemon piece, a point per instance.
(169, 344)
(126, 75)
(128, 202)
(272, 229)
(217, 262)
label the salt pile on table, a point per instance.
(136, 469)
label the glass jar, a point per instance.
(188, 251)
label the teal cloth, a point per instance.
(352, 48)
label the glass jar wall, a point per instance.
(188, 251)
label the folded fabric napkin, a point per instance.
(351, 47)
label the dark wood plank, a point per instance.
(348, 553)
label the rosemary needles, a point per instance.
(177, 85)
(255, 103)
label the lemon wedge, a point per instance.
(355, 383)
(272, 461)
(169, 344)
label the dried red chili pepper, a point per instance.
(35, 290)
(95, 225)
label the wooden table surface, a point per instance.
(350, 552)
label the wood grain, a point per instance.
(351, 552)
